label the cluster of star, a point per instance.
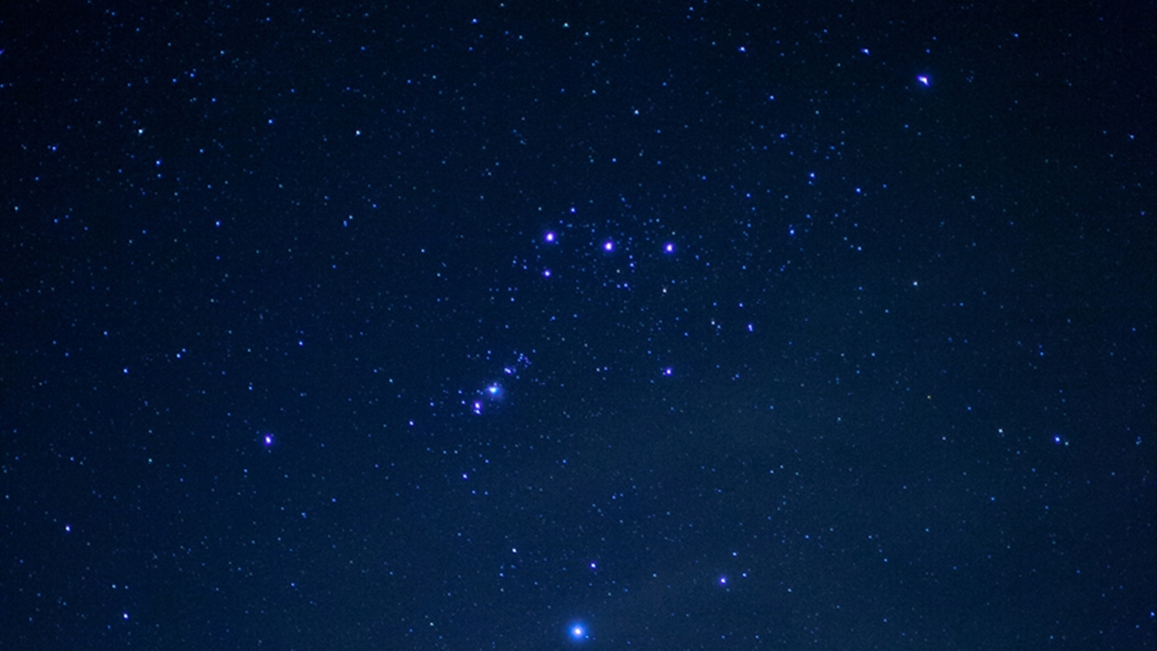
(607, 246)
(491, 393)
(483, 400)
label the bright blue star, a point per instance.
(578, 632)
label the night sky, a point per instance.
(538, 325)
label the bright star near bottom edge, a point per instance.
(578, 632)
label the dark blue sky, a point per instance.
(692, 326)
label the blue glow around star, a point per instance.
(577, 632)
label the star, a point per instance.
(577, 632)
